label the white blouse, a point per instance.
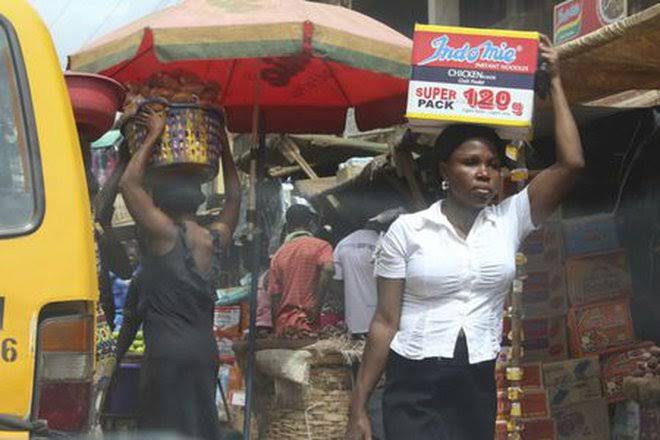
(451, 282)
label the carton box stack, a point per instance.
(598, 288)
(544, 300)
(533, 329)
(576, 321)
(544, 306)
(534, 412)
(229, 322)
(574, 389)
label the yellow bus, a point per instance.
(48, 282)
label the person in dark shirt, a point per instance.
(180, 267)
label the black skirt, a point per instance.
(439, 398)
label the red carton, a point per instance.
(532, 429)
(596, 328)
(583, 421)
(616, 365)
(534, 404)
(227, 321)
(544, 338)
(225, 350)
(598, 278)
(477, 76)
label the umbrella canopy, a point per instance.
(315, 61)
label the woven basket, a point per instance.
(316, 411)
(191, 141)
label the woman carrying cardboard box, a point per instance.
(443, 274)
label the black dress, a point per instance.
(181, 360)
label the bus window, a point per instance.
(18, 199)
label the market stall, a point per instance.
(272, 71)
(617, 58)
(576, 361)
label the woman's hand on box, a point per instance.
(550, 56)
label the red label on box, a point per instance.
(481, 52)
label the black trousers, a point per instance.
(439, 398)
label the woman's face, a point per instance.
(473, 172)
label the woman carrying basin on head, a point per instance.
(443, 274)
(180, 264)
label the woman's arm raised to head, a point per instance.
(154, 223)
(549, 188)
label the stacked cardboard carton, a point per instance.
(577, 322)
(579, 283)
(574, 389)
(229, 322)
(544, 296)
(534, 405)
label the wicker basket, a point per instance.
(318, 411)
(191, 142)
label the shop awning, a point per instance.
(320, 151)
(621, 57)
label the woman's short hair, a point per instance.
(178, 195)
(454, 136)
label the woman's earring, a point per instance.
(444, 185)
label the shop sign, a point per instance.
(574, 18)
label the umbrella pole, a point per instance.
(256, 168)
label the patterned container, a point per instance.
(191, 141)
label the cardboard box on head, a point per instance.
(473, 76)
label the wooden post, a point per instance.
(292, 153)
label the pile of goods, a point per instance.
(650, 365)
(137, 346)
(194, 131)
(582, 361)
(177, 87)
(643, 384)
